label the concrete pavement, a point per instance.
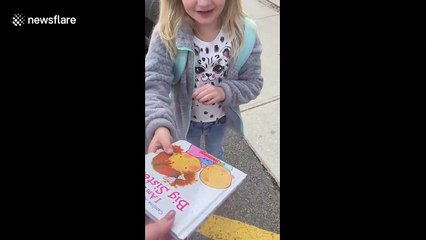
(256, 202)
(261, 116)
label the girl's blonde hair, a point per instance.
(173, 15)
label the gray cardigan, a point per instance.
(173, 112)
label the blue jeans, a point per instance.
(214, 136)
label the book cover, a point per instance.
(189, 181)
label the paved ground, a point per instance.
(262, 115)
(257, 200)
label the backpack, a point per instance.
(249, 40)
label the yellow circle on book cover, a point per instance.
(216, 176)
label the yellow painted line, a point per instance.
(217, 228)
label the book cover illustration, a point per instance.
(189, 181)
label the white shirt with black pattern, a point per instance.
(211, 64)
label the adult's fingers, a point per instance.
(161, 229)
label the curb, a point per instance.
(270, 4)
(265, 166)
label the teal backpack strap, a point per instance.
(249, 41)
(180, 63)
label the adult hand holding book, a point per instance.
(160, 230)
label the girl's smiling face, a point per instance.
(204, 12)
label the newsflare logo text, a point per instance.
(19, 19)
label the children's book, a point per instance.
(190, 181)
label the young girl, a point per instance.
(207, 97)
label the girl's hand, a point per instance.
(162, 140)
(209, 94)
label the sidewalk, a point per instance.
(253, 205)
(261, 116)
